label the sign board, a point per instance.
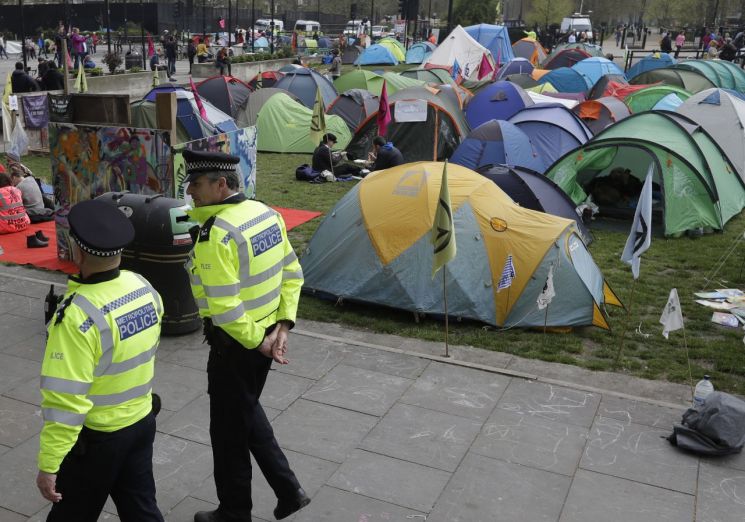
(406, 111)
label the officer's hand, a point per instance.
(279, 348)
(46, 483)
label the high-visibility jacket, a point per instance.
(244, 274)
(99, 361)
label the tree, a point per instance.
(664, 11)
(546, 12)
(470, 12)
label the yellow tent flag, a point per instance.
(8, 89)
(156, 78)
(318, 120)
(81, 84)
(443, 227)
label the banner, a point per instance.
(35, 111)
(60, 108)
(410, 111)
(241, 143)
(88, 161)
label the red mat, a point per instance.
(17, 253)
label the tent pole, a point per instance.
(445, 298)
(626, 324)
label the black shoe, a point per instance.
(33, 242)
(208, 516)
(285, 508)
(41, 237)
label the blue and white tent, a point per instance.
(498, 101)
(565, 79)
(516, 66)
(419, 52)
(650, 62)
(497, 142)
(376, 55)
(495, 38)
(596, 67)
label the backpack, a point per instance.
(305, 173)
(716, 428)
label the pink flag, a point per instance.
(202, 112)
(485, 68)
(384, 112)
(150, 46)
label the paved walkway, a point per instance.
(383, 428)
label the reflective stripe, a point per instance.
(202, 303)
(290, 258)
(107, 338)
(259, 278)
(244, 265)
(116, 304)
(62, 416)
(156, 297)
(118, 398)
(229, 316)
(138, 360)
(57, 384)
(297, 274)
(248, 224)
(263, 300)
(221, 290)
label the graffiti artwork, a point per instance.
(241, 143)
(88, 161)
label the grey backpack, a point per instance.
(716, 428)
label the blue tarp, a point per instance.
(565, 79)
(497, 101)
(497, 142)
(494, 38)
(419, 52)
(649, 63)
(595, 68)
(376, 55)
(668, 103)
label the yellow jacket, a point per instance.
(244, 274)
(99, 361)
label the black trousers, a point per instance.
(239, 427)
(100, 464)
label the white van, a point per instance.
(577, 23)
(355, 27)
(307, 27)
(264, 24)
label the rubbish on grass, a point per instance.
(725, 319)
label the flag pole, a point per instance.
(445, 299)
(545, 322)
(626, 323)
(688, 358)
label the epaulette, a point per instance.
(60, 313)
(204, 231)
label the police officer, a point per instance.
(246, 280)
(96, 379)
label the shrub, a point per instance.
(112, 61)
(135, 69)
(96, 71)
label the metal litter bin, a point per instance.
(161, 247)
(132, 60)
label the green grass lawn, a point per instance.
(681, 263)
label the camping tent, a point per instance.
(284, 126)
(350, 54)
(376, 55)
(495, 38)
(374, 247)
(566, 79)
(515, 66)
(690, 80)
(596, 67)
(601, 113)
(419, 52)
(190, 125)
(669, 102)
(645, 99)
(457, 93)
(224, 92)
(497, 142)
(530, 49)
(534, 191)
(436, 137)
(719, 75)
(650, 62)
(722, 114)
(699, 185)
(497, 101)
(605, 84)
(304, 83)
(395, 82)
(565, 58)
(265, 79)
(459, 46)
(354, 107)
(591, 49)
(395, 47)
(433, 75)
(737, 72)
(360, 79)
(525, 81)
(551, 97)
(552, 128)
(250, 110)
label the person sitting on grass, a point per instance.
(384, 155)
(37, 208)
(13, 216)
(324, 160)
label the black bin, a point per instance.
(161, 247)
(132, 60)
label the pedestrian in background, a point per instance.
(680, 41)
(246, 280)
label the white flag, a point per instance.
(672, 315)
(548, 290)
(641, 231)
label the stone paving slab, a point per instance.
(15, 371)
(595, 497)
(9, 516)
(18, 479)
(312, 358)
(639, 412)
(397, 364)
(18, 421)
(638, 453)
(721, 494)
(335, 505)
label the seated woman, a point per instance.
(22, 178)
(13, 217)
(88, 62)
(202, 53)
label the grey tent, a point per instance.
(354, 106)
(533, 190)
(249, 111)
(304, 83)
(350, 54)
(599, 114)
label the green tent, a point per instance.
(395, 82)
(284, 125)
(395, 47)
(737, 73)
(720, 76)
(360, 79)
(645, 99)
(699, 185)
(436, 76)
(691, 80)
